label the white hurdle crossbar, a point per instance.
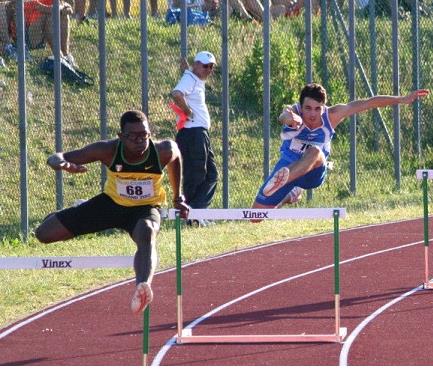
(185, 336)
(424, 175)
(66, 262)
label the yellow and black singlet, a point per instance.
(135, 184)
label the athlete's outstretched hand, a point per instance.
(184, 209)
(57, 162)
(415, 95)
(72, 167)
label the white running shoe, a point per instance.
(143, 295)
(71, 60)
(278, 180)
(294, 195)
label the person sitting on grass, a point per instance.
(131, 199)
(38, 27)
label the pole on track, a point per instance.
(179, 275)
(425, 203)
(337, 270)
(146, 327)
(427, 284)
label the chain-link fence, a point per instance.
(134, 61)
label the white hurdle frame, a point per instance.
(424, 175)
(184, 336)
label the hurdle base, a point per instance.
(188, 338)
(428, 285)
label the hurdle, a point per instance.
(185, 336)
(79, 262)
(424, 175)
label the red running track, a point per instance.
(379, 264)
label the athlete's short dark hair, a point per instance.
(132, 116)
(314, 91)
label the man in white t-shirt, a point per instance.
(199, 169)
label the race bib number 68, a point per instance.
(135, 190)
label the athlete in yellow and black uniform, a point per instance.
(132, 191)
(132, 196)
(133, 184)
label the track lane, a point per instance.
(100, 332)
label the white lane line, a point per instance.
(55, 308)
(351, 338)
(172, 341)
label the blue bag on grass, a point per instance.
(194, 16)
(69, 73)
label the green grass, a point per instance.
(376, 199)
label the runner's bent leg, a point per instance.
(52, 230)
(271, 195)
(312, 158)
(145, 259)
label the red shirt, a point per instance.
(31, 12)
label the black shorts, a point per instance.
(102, 213)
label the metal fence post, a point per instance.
(308, 57)
(352, 94)
(144, 58)
(102, 81)
(24, 201)
(57, 98)
(266, 86)
(396, 92)
(415, 76)
(225, 100)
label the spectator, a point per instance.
(210, 6)
(200, 172)
(6, 14)
(245, 9)
(126, 8)
(80, 10)
(154, 8)
(383, 7)
(253, 9)
(38, 27)
(236, 6)
(294, 7)
(92, 12)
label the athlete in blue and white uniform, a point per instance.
(297, 140)
(308, 129)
